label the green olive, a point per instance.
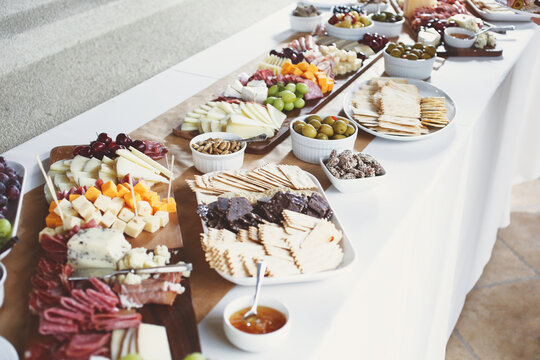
(344, 119)
(412, 56)
(330, 120)
(338, 137)
(418, 46)
(309, 131)
(340, 127)
(417, 52)
(350, 130)
(315, 123)
(395, 52)
(431, 50)
(298, 126)
(426, 56)
(326, 130)
(391, 46)
(313, 117)
(322, 136)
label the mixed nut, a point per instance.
(217, 146)
(349, 165)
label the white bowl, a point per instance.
(387, 29)
(455, 42)
(305, 23)
(348, 34)
(311, 150)
(255, 342)
(353, 185)
(372, 8)
(3, 277)
(206, 163)
(414, 69)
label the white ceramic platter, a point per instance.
(348, 256)
(14, 211)
(7, 351)
(532, 11)
(507, 15)
(426, 90)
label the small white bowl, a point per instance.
(3, 276)
(255, 342)
(305, 23)
(353, 185)
(311, 150)
(455, 42)
(206, 163)
(348, 34)
(414, 69)
(387, 29)
(372, 8)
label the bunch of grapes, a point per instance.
(10, 186)
(105, 146)
(375, 41)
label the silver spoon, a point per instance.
(260, 137)
(261, 269)
(478, 33)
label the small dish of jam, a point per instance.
(256, 334)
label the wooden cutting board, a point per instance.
(311, 107)
(179, 319)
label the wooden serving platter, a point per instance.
(311, 107)
(179, 319)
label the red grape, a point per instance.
(2, 188)
(104, 138)
(123, 139)
(4, 178)
(3, 201)
(139, 145)
(98, 147)
(12, 192)
(77, 150)
(86, 152)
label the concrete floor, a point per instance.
(59, 58)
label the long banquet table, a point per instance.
(421, 238)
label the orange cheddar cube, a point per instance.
(163, 207)
(308, 75)
(52, 206)
(148, 195)
(109, 189)
(158, 206)
(129, 200)
(140, 188)
(287, 68)
(313, 68)
(52, 220)
(122, 190)
(171, 204)
(297, 72)
(92, 193)
(73, 197)
(303, 66)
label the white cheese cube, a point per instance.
(134, 227)
(119, 225)
(71, 221)
(163, 217)
(144, 208)
(108, 219)
(96, 216)
(46, 231)
(126, 215)
(83, 206)
(116, 205)
(151, 223)
(102, 202)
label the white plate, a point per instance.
(7, 351)
(529, 13)
(426, 89)
(499, 16)
(14, 212)
(348, 256)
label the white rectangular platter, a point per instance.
(506, 15)
(348, 255)
(14, 212)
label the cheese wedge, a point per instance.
(125, 167)
(129, 156)
(162, 169)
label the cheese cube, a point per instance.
(108, 219)
(135, 227)
(102, 202)
(83, 206)
(163, 217)
(116, 205)
(96, 216)
(66, 212)
(144, 208)
(151, 223)
(71, 221)
(59, 230)
(46, 231)
(64, 204)
(92, 193)
(126, 215)
(119, 225)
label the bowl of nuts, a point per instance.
(352, 172)
(216, 151)
(315, 136)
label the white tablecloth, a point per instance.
(422, 238)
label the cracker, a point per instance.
(299, 221)
(278, 267)
(278, 252)
(298, 178)
(324, 232)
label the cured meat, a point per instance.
(303, 43)
(263, 74)
(162, 290)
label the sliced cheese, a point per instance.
(125, 167)
(78, 163)
(129, 156)
(162, 169)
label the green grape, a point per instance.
(291, 87)
(302, 88)
(279, 104)
(288, 106)
(281, 86)
(298, 95)
(299, 103)
(273, 90)
(288, 96)
(132, 357)
(5, 228)
(270, 100)
(195, 356)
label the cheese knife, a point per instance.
(103, 273)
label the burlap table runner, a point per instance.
(206, 285)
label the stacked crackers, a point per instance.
(433, 112)
(300, 245)
(392, 106)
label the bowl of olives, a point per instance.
(387, 23)
(409, 61)
(315, 136)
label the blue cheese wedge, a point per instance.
(96, 248)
